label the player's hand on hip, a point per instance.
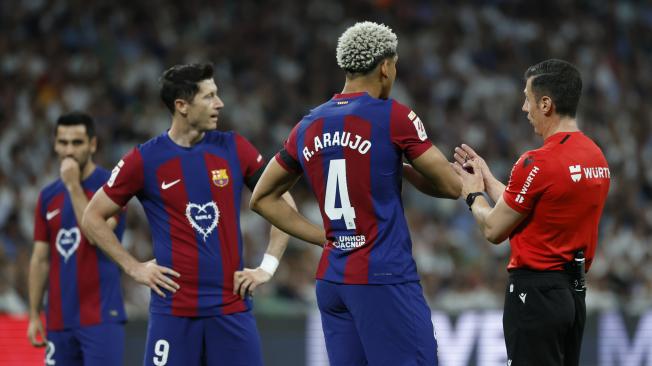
(246, 281)
(34, 331)
(70, 171)
(471, 182)
(156, 277)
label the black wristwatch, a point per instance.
(471, 198)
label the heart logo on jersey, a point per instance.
(68, 242)
(203, 218)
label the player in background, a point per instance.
(550, 210)
(85, 313)
(189, 180)
(350, 150)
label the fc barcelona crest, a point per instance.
(220, 177)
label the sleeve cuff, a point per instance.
(418, 150)
(113, 197)
(285, 165)
(509, 200)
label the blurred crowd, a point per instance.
(460, 69)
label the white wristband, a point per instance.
(269, 264)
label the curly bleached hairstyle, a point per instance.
(363, 46)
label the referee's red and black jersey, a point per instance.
(191, 196)
(562, 188)
(83, 283)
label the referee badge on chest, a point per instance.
(220, 177)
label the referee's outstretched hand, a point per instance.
(471, 182)
(464, 153)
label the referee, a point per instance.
(550, 210)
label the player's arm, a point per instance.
(267, 200)
(70, 175)
(418, 181)
(278, 240)
(246, 281)
(408, 134)
(443, 182)
(79, 203)
(496, 223)
(39, 268)
(96, 227)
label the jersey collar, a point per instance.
(349, 95)
(557, 137)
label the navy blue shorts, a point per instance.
(101, 345)
(225, 340)
(376, 325)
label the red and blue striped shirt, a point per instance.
(83, 283)
(350, 150)
(191, 197)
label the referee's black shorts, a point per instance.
(543, 319)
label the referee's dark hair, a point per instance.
(74, 119)
(560, 80)
(180, 82)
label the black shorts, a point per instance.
(543, 319)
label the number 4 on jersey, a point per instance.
(337, 183)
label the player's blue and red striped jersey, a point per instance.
(350, 149)
(83, 284)
(191, 197)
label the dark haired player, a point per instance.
(189, 180)
(85, 312)
(550, 210)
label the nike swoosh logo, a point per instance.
(49, 215)
(168, 185)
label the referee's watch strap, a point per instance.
(470, 198)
